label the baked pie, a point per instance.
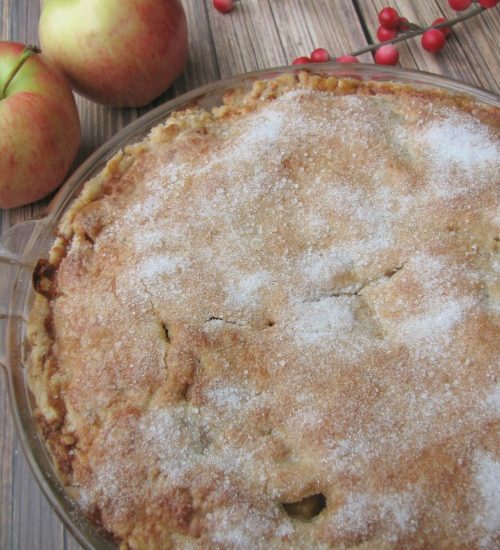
(276, 325)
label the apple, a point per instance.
(39, 125)
(123, 53)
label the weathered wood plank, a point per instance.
(246, 39)
(44, 529)
(202, 66)
(304, 26)
(6, 459)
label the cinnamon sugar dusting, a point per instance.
(309, 287)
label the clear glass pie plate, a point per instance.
(25, 243)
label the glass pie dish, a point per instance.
(26, 243)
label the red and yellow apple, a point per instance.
(116, 52)
(39, 126)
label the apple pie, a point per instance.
(276, 325)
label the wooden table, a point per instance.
(258, 34)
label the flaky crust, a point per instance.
(295, 295)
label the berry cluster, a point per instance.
(391, 24)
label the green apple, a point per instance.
(116, 52)
(39, 125)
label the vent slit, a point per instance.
(307, 508)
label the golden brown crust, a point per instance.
(291, 297)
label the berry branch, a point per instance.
(417, 30)
(396, 29)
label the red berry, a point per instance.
(404, 24)
(301, 61)
(488, 3)
(384, 34)
(445, 30)
(223, 6)
(346, 59)
(388, 18)
(387, 55)
(320, 55)
(459, 5)
(433, 40)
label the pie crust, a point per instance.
(276, 325)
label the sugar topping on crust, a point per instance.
(296, 299)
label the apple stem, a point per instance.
(25, 55)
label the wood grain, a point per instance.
(258, 34)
